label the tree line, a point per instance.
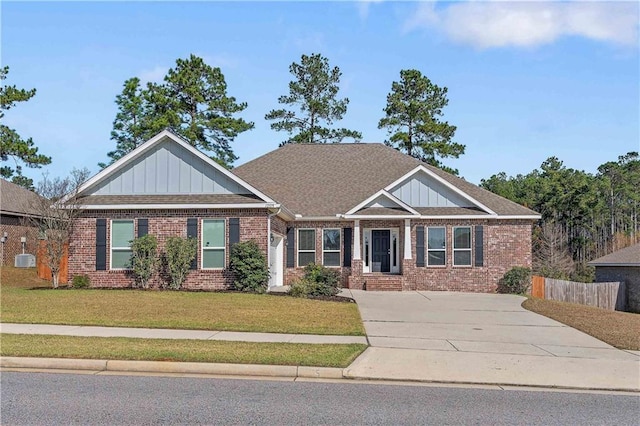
(584, 215)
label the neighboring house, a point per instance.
(17, 205)
(623, 266)
(384, 220)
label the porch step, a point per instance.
(381, 282)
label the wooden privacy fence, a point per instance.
(41, 263)
(611, 295)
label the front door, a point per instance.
(381, 253)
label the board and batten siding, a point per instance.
(423, 191)
(168, 169)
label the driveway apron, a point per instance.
(482, 338)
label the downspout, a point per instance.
(269, 216)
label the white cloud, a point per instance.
(155, 75)
(364, 6)
(526, 24)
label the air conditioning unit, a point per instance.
(25, 261)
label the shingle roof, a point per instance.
(329, 179)
(629, 256)
(169, 199)
(16, 200)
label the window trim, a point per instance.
(339, 251)
(444, 249)
(470, 249)
(121, 249)
(298, 251)
(223, 247)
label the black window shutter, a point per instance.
(419, 245)
(234, 231)
(346, 237)
(192, 232)
(479, 248)
(143, 227)
(101, 244)
(291, 247)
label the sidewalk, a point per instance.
(160, 333)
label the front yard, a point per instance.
(21, 303)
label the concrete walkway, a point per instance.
(158, 333)
(482, 338)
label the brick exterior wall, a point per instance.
(630, 275)
(506, 243)
(16, 227)
(162, 224)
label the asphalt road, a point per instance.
(51, 399)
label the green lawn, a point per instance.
(170, 309)
(179, 350)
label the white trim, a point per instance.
(339, 251)
(427, 249)
(386, 194)
(531, 216)
(356, 240)
(443, 182)
(300, 218)
(376, 217)
(614, 264)
(111, 248)
(107, 171)
(276, 263)
(453, 246)
(176, 206)
(407, 239)
(223, 247)
(315, 236)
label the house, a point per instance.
(622, 266)
(17, 234)
(384, 220)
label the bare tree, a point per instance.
(551, 257)
(56, 210)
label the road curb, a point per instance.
(257, 370)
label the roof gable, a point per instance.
(424, 190)
(167, 166)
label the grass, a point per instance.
(619, 329)
(170, 309)
(121, 348)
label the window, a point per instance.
(436, 246)
(462, 246)
(306, 246)
(121, 237)
(213, 247)
(331, 247)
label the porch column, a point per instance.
(356, 240)
(407, 238)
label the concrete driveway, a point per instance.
(482, 338)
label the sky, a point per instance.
(526, 80)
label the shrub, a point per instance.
(179, 253)
(81, 281)
(318, 280)
(515, 281)
(249, 266)
(144, 260)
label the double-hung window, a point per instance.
(436, 246)
(331, 247)
(306, 246)
(462, 246)
(121, 237)
(213, 247)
